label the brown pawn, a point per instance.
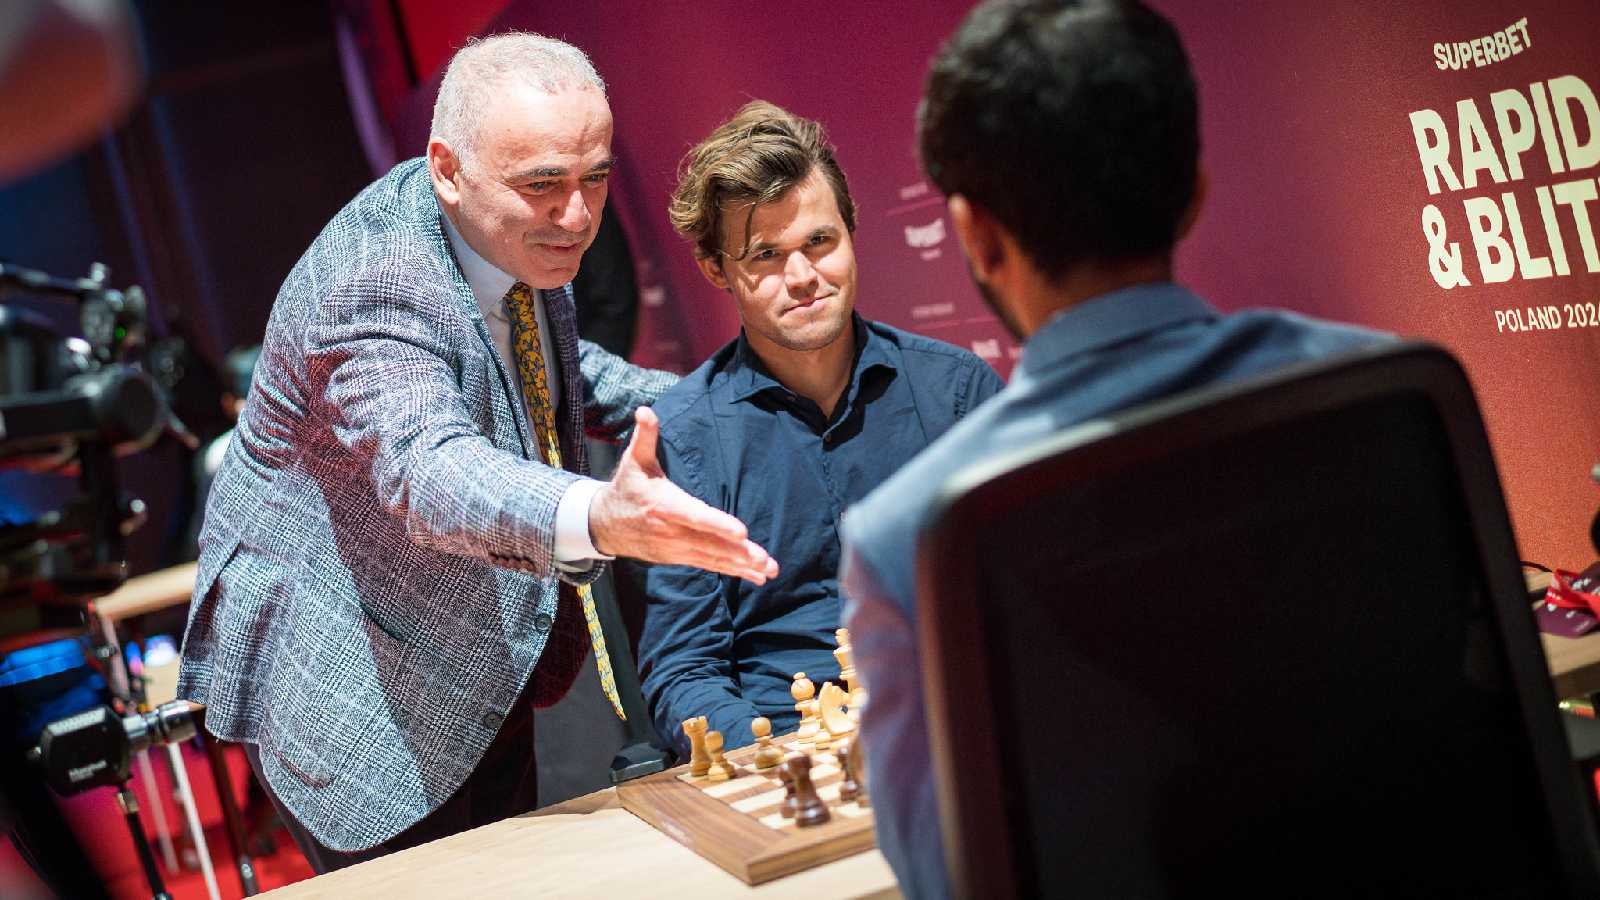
(699, 760)
(719, 769)
(849, 788)
(768, 756)
(790, 802)
(810, 810)
(852, 773)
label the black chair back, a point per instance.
(1269, 638)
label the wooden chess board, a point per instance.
(736, 823)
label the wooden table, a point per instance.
(592, 847)
(587, 848)
(147, 593)
(1574, 662)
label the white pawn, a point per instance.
(720, 769)
(804, 693)
(768, 756)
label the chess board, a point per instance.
(736, 823)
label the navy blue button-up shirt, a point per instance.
(734, 437)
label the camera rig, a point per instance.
(66, 405)
(72, 405)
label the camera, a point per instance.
(71, 405)
(94, 748)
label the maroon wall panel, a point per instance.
(1319, 198)
(1318, 189)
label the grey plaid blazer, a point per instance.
(376, 572)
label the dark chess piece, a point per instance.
(849, 788)
(810, 810)
(789, 805)
(852, 773)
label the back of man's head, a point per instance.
(1074, 123)
(753, 158)
(481, 66)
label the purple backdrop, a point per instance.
(1317, 197)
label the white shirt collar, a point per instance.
(489, 284)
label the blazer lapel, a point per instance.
(508, 383)
(563, 318)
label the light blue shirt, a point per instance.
(1108, 354)
(489, 288)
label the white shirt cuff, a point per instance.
(572, 522)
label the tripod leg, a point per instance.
(129, 803)
(230, 815)
(122, 688)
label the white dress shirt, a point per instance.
(489, 287)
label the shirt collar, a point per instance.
(749, 375)
(1111, 319)
(489, 284)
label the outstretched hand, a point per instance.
(642, 515)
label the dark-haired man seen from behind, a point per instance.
(798, 417)
(1065, 135)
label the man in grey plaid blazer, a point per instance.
(386, 566)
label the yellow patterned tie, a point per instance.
(530, 363)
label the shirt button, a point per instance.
(492, 720)
(543, 622)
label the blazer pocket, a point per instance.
(207, 595)
(383, 625)
(305, 766)
(385, 619)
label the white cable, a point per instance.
(182, 775)
(147, 774)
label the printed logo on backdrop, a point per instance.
(920, 217)
(1516, 173)
(925, 229)
(926, 238)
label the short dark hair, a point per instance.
(1075, 123)
(755, 157)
